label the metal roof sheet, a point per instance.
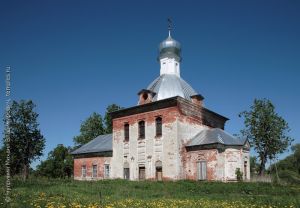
(102, 143)
(170, 85)
(215, 135)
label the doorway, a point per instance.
(245, 169)
(142, 173)
(158, 170)
(201, 170)
(126, 171)
(159, 173)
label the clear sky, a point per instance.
(73, 58)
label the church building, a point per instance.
(168, 135)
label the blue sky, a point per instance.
(73, 58)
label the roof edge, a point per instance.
(160, 104)
(81, 147)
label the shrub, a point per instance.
(239, 174)
(289, 177)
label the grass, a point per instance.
(51, 193)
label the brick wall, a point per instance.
(89, 162)
(191, 159)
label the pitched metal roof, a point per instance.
(170, 85)
(102, 143)
(213, 136)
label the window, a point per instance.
(106, 171)
(94, 171)
(145, 96)
(83, 171)
(126, 132)
(158, 122)
(141, 129)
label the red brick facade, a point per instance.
(192, 158)
(169, 115)
(88, 162)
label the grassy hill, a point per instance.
(50, 193)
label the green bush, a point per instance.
(289, 177)
(239, 174)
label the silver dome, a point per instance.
(169, 46)
(170, 85)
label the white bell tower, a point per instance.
(169, 55)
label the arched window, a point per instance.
(126, 132)
(141, 129)
(158, 122)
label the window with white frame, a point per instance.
(106, 171)
(83, 171)
(95, 171)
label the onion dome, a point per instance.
(169, 48)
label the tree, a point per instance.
(89, 129)
(26, 141)
(107, 117)
(2, 161)
(296, 156)
(291, 162)
(93, 126)
(59, 163)
(266, 131)
(288, 169)
(253, 165)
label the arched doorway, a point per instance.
(158, 170)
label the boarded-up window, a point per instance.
(83, 171)
(158, 122)
(142, 173)
(201, 170)
(106, 171)
(126, 132)
(141, 129)
(94, 171)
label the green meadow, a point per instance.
(65, 193)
